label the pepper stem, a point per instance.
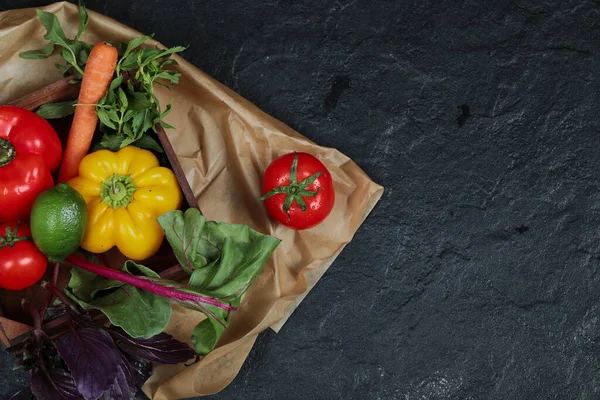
(117, 191)
(7, 152)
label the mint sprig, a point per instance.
(130, 111)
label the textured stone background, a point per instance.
(476, 276)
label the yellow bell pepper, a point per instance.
(125, 191)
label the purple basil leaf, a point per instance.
(161, 348)
(92, 358)
(84, 320)
(53, 384)
(123, 388)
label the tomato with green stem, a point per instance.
(21, 263)
(298, 190)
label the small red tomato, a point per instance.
(21, 263)
(298, 190)
(29, 151)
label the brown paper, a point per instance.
(224, 143)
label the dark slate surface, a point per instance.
(476, 276)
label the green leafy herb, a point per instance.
(74, 52)
(223, 260)
(148, 142)
(56, 110)
(44, 52)
(149, 65)
(139, 312)
(207, 333)
(83, 19)
(130, 111)
(72, 49)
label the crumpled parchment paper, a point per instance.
(224, 143)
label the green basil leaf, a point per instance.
(54, 31)
(172, 50)
(137, 124)
(138, 101)
(168, 62)
(44, 52)
(115, 83)
(127, 141)
(63, 68)
(110, 97)
(147, 55)
(128, 115)
(137, 312)
(82, 57)
(122, 98)
(68, 55)
(56, 35)
(56, 110)
(110, 142)
(120, 46)
(104, 117)
(166, 126)
(128, 132)
(168, 109)
(134, 43)
(148, 142)
(163, 84)
(113, 115)
(130, 62)
(83, 19)
(171, 76)
(149, 119)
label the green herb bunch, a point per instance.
(130, 111)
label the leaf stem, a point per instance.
(77, 67)
(61, 296)
(35, 314)
(51, 295)
(148, 285)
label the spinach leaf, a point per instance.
(223, 260)
(207, 333)
(138, 312)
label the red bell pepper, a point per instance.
(30, 151)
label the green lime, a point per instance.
(58, 221)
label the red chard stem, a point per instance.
(148, 284)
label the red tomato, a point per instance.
(21, 263)
(298, 190)
(29, 151)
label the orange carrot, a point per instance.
(97, 76)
